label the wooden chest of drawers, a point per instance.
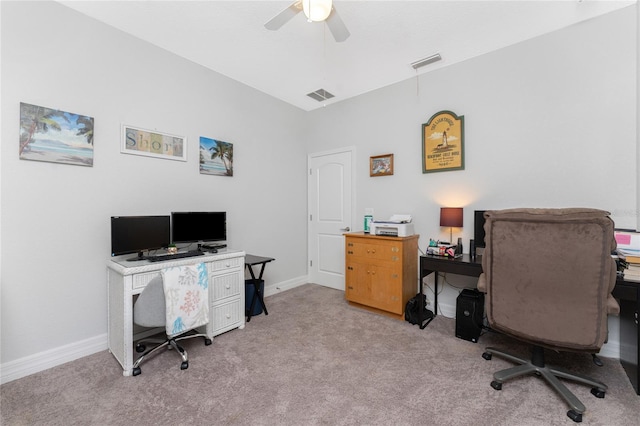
(381, 272)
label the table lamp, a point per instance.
(451, 217)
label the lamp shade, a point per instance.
(317, 10)
(451, 216)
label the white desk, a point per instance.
(126, 279)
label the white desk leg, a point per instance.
(120, 319)
(128, 326)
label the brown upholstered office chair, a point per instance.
(548, 276)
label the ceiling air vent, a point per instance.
(320, 95)
(426, 61)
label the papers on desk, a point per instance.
(628, 245)
(629, 252)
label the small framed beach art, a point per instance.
(216, 157)
(151, 143)
(55, 136)
(381, 165)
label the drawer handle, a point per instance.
(227, 286)
(228, 316)
(227, 265)
(371, 251)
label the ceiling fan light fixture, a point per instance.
(317, 10)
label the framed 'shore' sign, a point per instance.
(443, 143)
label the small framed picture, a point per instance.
(381, 165)
(153, 144)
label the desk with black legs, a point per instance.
(460, 266)
(627, 293)
(250, 261)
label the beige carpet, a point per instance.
(315, 360)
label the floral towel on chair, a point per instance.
(186, 292)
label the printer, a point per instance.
(398, 225)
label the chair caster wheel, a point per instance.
(496, 385)
(597, 393)
(487, 356)
(140, 348)
(136, 371)
(184, 365)
(575, 416)
(596, 360)
(207, 342)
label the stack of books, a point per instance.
(631, 259)
(628, 251)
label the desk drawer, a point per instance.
(225, 315)
(221, 265)
(225, 285)
(141, 280)
(381, 251)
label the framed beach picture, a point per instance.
(55, 136)
(216, 157)
(151, 143)
(381, 165)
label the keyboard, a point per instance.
(182, 255)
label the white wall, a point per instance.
(550, 122)
(55, 217)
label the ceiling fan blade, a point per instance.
(337, 27)
(283, 17)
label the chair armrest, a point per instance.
(613, 308)
(482, 283)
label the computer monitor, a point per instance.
(478, 228)
(136, 234)
(198, 227)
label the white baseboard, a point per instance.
(35, 363)
(271, 289)
(611, 349)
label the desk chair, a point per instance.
(184, 290)
(548, 276)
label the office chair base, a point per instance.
(551, 374)
(169, 344)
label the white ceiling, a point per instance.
(386, 37)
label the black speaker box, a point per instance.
(469, 315)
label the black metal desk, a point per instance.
(460, 266)
(628, 295)
(250, 261)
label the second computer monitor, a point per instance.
(196, 227)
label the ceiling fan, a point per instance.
(315, 11)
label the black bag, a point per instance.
(412, 310)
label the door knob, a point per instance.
(347, 229)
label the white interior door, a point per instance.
(330, 215)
